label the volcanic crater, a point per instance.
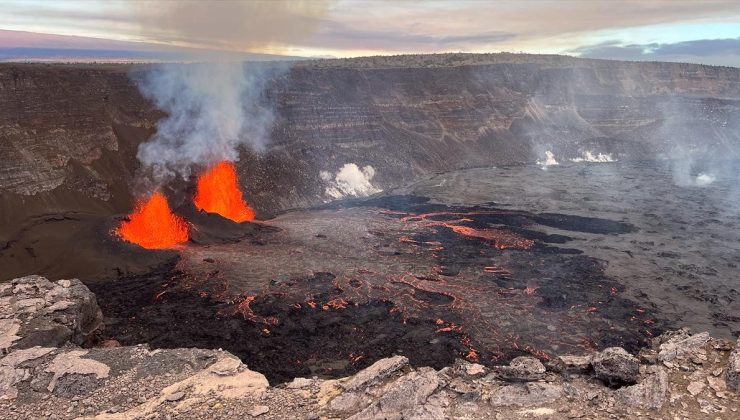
(471, 251)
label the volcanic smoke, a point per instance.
(217, 191)
(152, 224)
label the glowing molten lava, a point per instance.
(218, 192)
(153, 225)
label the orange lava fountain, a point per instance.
(153, 225)
(218, 192)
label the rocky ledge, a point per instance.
(48, 369)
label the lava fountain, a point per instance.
(217, 191)
(152, 224)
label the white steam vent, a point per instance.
(704, 179)
(549, 160)
(686, 175)
(588, 156)
(350, 180)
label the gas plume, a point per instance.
(549, 160)
(350, 180)
(213, 108)
(216, 105)
(589, 156)
(696, 156)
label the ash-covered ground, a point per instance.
(485, 264)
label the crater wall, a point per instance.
(69, 133)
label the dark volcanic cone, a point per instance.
(211, 228)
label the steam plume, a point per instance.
(549, 160)
(350, 180)
(216, 106)
(212, 109)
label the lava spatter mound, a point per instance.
(152, 224)
(217, 191)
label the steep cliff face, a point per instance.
(68, 138)
(69, 133)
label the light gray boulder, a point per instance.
(650, 392)
(37, 312)
(681, 345)
(374, 373)
(615, 366)
(522, 369)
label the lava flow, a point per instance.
(429, 281)
(501, 238)
(217, 191)
(153, 225)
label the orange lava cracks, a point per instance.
(501, 238)
(437, 246)
(152, 225)
(217, 191)
(338, 303)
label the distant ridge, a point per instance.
(454, 59)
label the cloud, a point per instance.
(544, 25)
(239, 25)
(228, 25)
(346, 27)
(707, 51)
(340, 35)
(21, 46)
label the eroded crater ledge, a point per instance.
(52, 366)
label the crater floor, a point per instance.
(485, 264)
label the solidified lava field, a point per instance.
(484, 264)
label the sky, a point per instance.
(705, 31)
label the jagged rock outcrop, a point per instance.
(681, 344)
(522, 369)
(615, 366)
(374, 373)
(650, 392)
(37, 312)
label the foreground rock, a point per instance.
(681, 344)
(37, 312)
(375, 373)
(616, 367)
(650, 393)
(733, 369)
(522, 369)
(694, 378)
